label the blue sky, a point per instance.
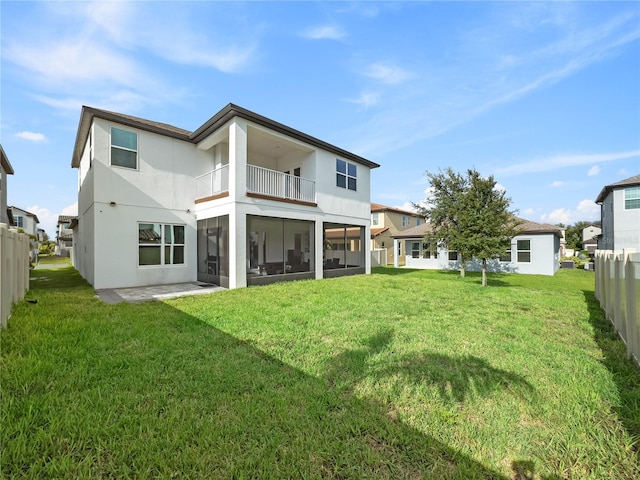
(544, 96)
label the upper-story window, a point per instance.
(405, 221)
(346, 175)
(124, 148)
(19, 221)
(374, 218)
(417, 222)
(631, 198)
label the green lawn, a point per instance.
(53, 260)
(399, 374)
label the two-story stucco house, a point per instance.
(387, 222)
(242, 200)
(64, 235)
(28, 222)
(5, 169)
(620, 215)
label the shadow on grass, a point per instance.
(624, 371)
(457, 378)
(156, 392)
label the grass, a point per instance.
(53, 260)
(399, 374)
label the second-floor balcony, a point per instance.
(261, 183)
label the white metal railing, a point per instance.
(213, 182)
(279, 184)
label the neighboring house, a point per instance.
(5, 169)
(589, 237)
(535, 250)
(243, 200)
(64, 235)
(387, 222)
(28, 222)
(620, 215)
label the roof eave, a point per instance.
(6, 165)
(231, 111)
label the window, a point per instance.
(417, 222)
(346, 174)
(160, 244)
(524, 251)
(505, 257)
(374, 218)
(19, 221)
(453, 255)
(404, 221)
(631, 198)
(124, 148)
(415, 249)
(429, 251)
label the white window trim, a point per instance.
(137, 150)
(162, 246)
(624, 197)
(347, 176)
(518, 250)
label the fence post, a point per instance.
(632, 290)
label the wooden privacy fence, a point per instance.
(618, 291)
(14, 270)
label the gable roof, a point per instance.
(28, 214)
(214, 123)
(378, 207)
(627, 182)
(526, 227)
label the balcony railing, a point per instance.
(213, 183)
(260, 181)
(271, 183)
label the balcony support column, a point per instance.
(238, 190)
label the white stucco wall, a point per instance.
(112, 201)
(545, 257)
(626, 223)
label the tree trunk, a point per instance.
(462, 271)
(484, 272)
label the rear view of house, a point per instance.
(243, 200)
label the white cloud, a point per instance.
(366, 99)
(557, 183)
(324, 32)
(388, 74)
(70, 210)
(562, 161)
(407, 206)
(585, 210)
(595, 170)
(31, 136)
(529, 212)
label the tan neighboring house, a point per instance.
(387, 222)
(5, 169)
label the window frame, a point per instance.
(449, 255)
(123, 148)
(347, 175)
(526, 252)
(375, 219)
(635, 198)
(163, 244)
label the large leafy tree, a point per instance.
(470, 214)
